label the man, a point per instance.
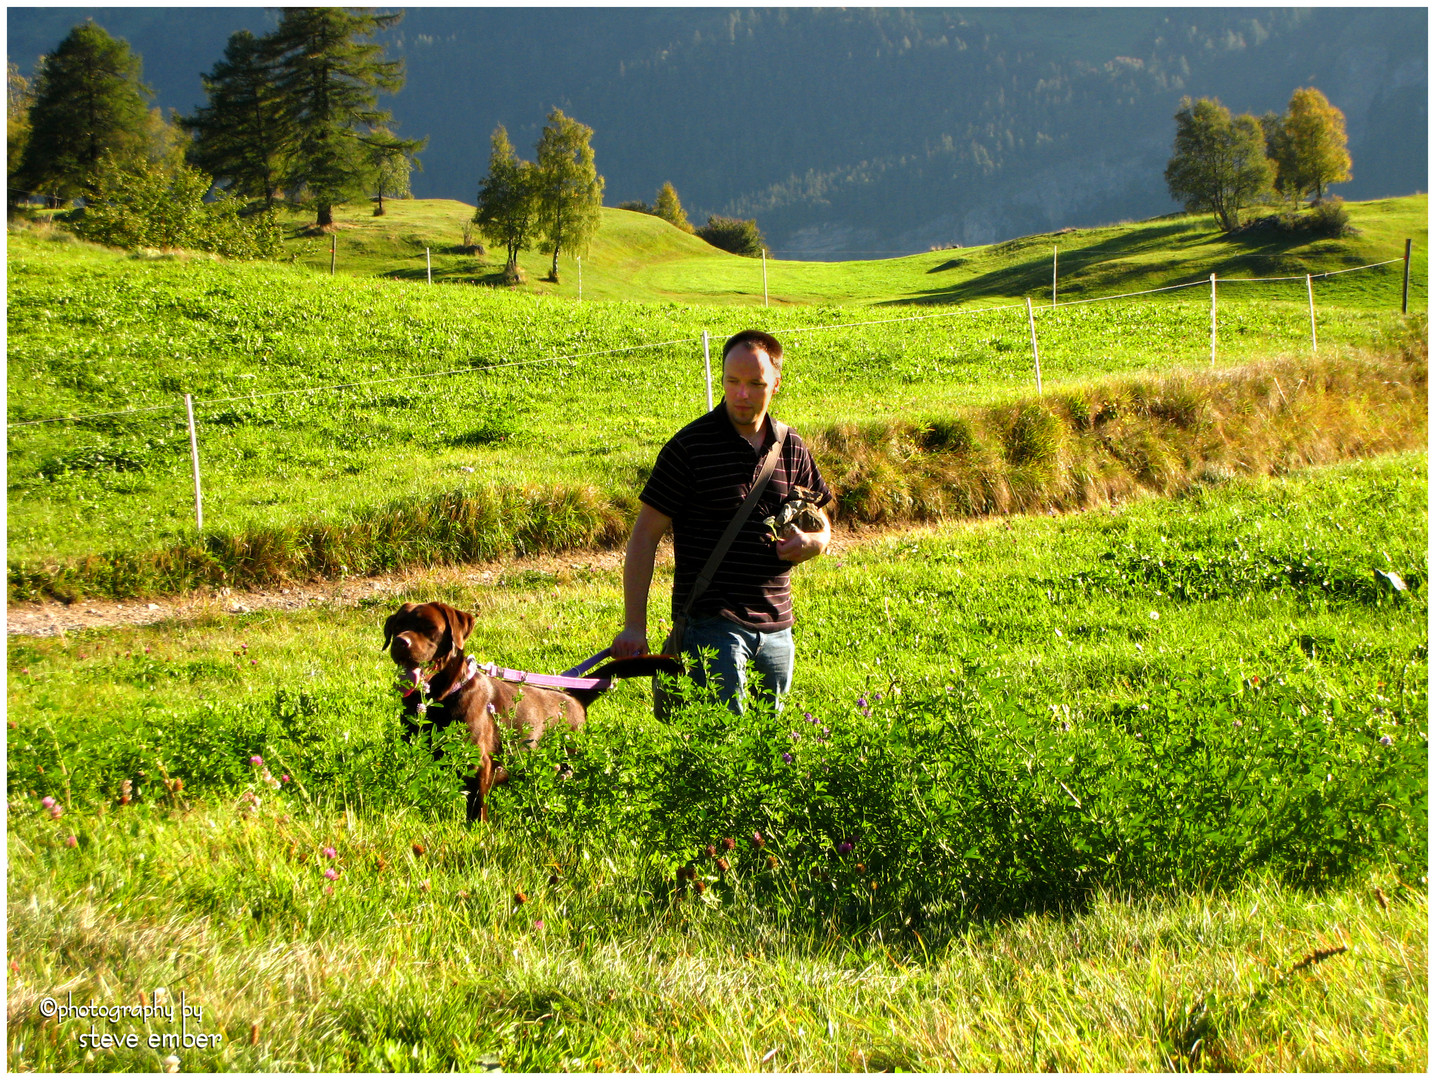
(702, 476)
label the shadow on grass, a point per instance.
(1095, 267)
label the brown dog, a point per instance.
(430, 637)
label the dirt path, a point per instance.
(51, 618)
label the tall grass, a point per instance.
(1082, 446)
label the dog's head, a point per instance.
(422, 635)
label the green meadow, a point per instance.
(322, 400)
(1108, 751)
(1133, 789)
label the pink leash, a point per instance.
(569, 680)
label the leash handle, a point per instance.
(586, 664)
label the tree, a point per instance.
(570, 191)
(18, 99)
(507, 200)
(1315, 144)
(88, 102)
(670, 209)
(391, 166)
(327, 83)
(239, 136)
(1219, 163)
(731, 234)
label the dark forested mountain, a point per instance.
(852, 133)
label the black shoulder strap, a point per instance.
(769, 465)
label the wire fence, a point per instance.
(188, 403)
(696, 340)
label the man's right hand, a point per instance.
(630, 643)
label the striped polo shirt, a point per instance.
(702, 475)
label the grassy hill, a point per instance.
(640, 257)
(325, 402)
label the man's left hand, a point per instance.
(796, 546)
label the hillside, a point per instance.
(870, 132)
(638, 257)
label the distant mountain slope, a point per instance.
(856, 133)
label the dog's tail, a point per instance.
(631, 667)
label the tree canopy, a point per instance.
(741, 237)
(507, 200)
(670, 209)
(88, 101)
(1219, 163)
(569, 189)
(1314, 145)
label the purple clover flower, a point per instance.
(1386, 740)
(862, 703)
(787, 759)
(256, 760)
(330, 853)
(48, 801)
(331, 874)
(844, 848)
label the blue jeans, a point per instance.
(735, 646)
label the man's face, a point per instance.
(749, 380)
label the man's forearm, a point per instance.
(638, 580)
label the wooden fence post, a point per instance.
(764, 277)
(1053, 275)
(1310, 296)
(428, 260)
(1035, 356)
(708, 370)
(333, 251)
(1213, 320)
(1405, 289)
(194, 458)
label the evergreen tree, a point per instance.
(507, 200)
(570, 191)
(88, 101)
(1219, 163)
(670, 209)
(1315, 144)
(239, 136)
(327, 82)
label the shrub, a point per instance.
(730, 234)
(140, 204)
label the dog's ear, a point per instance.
(458, 624)
(393, 622)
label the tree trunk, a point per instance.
(553, 273)
(326, 215)
(380, 211)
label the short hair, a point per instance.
(756, 339)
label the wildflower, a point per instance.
(331, 873)
(329, 853)
(552, 879)
(712, 852)
(538, 924)
(757, 839)
(1386, 740)
(256, 761)
(56, 811)
(72, 841)
(171, 1063)
(284, 779)
(844, 848)
(729, 843)
(699, 886)
(1155, 615)
(519, 899)
(48, 801)
(418, 848)
(862, 703)
(772, 862)
(787, 759)
(809, 718)
(792, 735)
(724, 865)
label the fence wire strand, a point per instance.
(476, 370)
